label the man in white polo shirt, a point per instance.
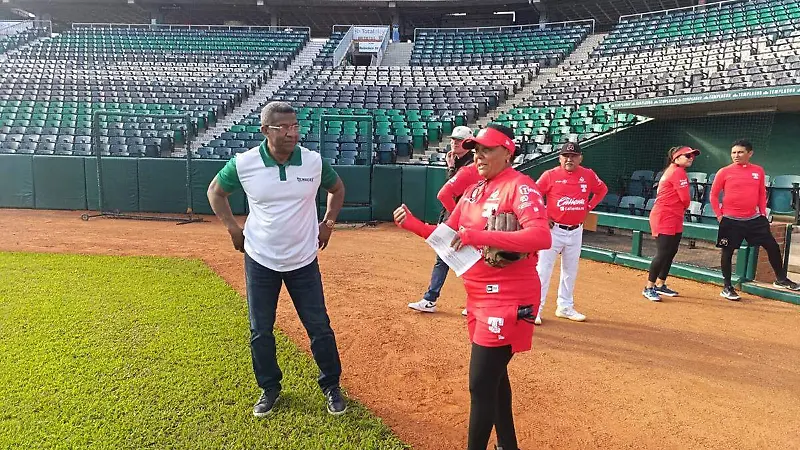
(280, 241)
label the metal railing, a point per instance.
(341, 49)
(158, 26)
(345, 27)
(15, 26)
(626, 17)
(382, 50)
(510, 27)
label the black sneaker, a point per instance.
(787, 284)
(265, 404)
(336, 403)
(664, 290)
(729, 293)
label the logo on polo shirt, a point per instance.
(492, 288)
(524, 189)
(571, 204)
(755, 175)
(310, 180)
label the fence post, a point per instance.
(636, 245)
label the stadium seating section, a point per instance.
(17, 36)
(412, 107)
(50, 88)
(547, 47)
(325, 56)
(541, 130)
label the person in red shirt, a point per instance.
(461, 174)
(742, 215)
(500, 301)
(567, 189)
(666, 220)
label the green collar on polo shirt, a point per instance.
(296, 159)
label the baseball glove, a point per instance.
(494, 256)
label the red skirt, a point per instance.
(665, 222)
(497, 325)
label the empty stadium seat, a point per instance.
(632, 204)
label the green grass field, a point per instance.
(112, 352)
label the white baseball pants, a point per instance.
(568, 244)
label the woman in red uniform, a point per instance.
(495, 295)
(666, 220)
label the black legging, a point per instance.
(666, 249)
(773, 252)
(490, 393)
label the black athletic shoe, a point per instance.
(787, 284)
(265, 404)
(664, 290)
(729, 293)
(336, 403)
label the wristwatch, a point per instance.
(329, 223)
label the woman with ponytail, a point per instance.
(666, 219)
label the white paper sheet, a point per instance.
(460, 261)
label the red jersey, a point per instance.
(568, 193)
(455, 186)
(509, 191)
(672, 199)
(745, 191)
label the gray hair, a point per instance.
(272, 108)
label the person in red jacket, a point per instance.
(666, 219)
(495, 295)
(742, 215)
(461, 174)
(567, 189)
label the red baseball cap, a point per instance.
(490, 137)
(685, 151)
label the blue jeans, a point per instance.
(438, 275)
(305, 289)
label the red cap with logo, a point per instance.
(490, 137)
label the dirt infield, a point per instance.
(692, 372)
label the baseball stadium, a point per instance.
(404, 224)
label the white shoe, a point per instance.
(537, 320)
(571, 314)
(464, 312)
(423, 306)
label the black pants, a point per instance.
(756, 232)
(305, 289)
(666, 249)
(490, 394)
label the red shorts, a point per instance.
(496, 326)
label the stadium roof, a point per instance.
(747, 101)
(606, 12)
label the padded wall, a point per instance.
(203, 171)
(59, 182)
(414, 185)
(435, 180)
(354, 214)
(16, 181)
(162, 185)
(356, 181)
(120, 183)
(386, 191)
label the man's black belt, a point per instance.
(567, 227)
